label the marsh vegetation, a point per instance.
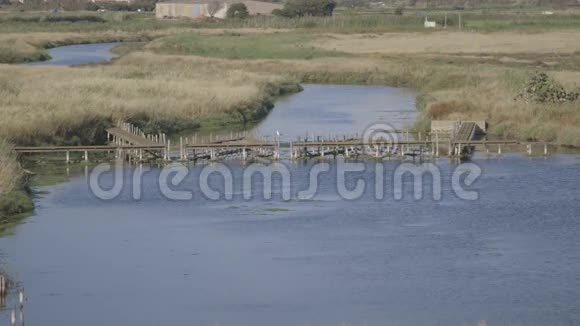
(183, 74)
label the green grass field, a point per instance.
(85, 22)
(232, 45)
(372, 21)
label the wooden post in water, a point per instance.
(449, 149)
(498, 149)
(21, 303)
(3, 291)
(529, 149)
(86, 156)
(3, 288)
(436, 144)
(545, 149)
(13, 318)
(181, 154)
(67, 157)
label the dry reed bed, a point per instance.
(41, 104)
(453, 42)
(448, 91)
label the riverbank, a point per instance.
(176, 79)
(32, 47)
(73, 106)
(62, 105)
(456, 84)
(14, 196)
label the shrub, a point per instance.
(300, 8)
(399, 11)
(15, 202)
(74, 19)
(238, 10)
(10, 170)
(542, 89)
(145, 5)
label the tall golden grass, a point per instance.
(44, 104)
(448, 91)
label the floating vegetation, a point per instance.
(275, 210)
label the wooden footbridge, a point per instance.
(128, 142)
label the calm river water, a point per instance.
(512, 257)
(79, 54)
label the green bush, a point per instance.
(74, 19)
(145, 5)
(168, 125)
(55, 19)
(543, 89)
(301, 8)
(238, 10)
(15, 202)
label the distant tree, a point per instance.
(300, 8)
(213, 7)
(399, 11)
(238, 10)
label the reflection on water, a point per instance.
(328, 111)
(336, 110)
(511, 257)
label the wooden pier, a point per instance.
(129, 143)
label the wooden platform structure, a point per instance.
(128, 142)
